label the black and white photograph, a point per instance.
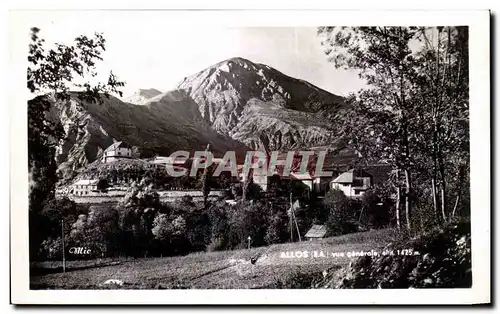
(183, 151)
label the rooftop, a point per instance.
(316, 231)
(117, 145)
(351, 175)
(85, 182)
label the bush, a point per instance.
(250, 219)
(376, 214)
(277, 230)
(342, 216)
(217, 244)
(50, 249)
(171, 233)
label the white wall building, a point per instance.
(117, 151)
(353, 183)
(84, 187)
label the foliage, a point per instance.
(102, 185)
(205, 182)
(141, 195)
(375, 212)
(53, 72)
(170, 232)
(277, 229)
(342, 216)
(50, 249)
(414, 112)
(237, 190)
(444, 261)
(99, 230)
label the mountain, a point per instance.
(168, 123)
(248, 101)
(233, 105)
(142, 96)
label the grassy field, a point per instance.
(215, 270)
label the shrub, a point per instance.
(342, 216)
(249, 219)
(217, 244)
(50, 249)
(277, 230)
(375, 212)
(171, 233)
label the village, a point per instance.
(353, 182)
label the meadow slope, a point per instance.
(217, 270)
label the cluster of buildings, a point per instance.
(352, 182)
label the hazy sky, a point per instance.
(151, 53)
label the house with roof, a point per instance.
(316, 232)
(116, 151)
(353, 183)
(84, 187)
(171, 161)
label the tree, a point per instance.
(277, 229)
(381, 121)
(98, 230)
(374, 211)
(236, 190)
(250, 219)
(205, 180)
(51, 74)
(170, 232)
(443, 87)
(247, 185)
(102, 185)
(53, 213)
(414, 113)
(342, 215)
(218, 216)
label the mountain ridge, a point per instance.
(232, 105)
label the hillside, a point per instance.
(438, 259)
(169, 123)
(444, 261)
(216, 270)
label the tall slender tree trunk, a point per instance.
(444, 201)
(457, 201)
(398, 208)
(398, 201)
(459, 193)
(407, 199)
(437, 211)
(205, 185)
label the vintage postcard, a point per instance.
(249, 157)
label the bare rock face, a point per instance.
(165, 124)
(242, 99)
(278, 127)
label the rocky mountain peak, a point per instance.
(224, 90)
(141, 96)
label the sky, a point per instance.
(150, 51)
